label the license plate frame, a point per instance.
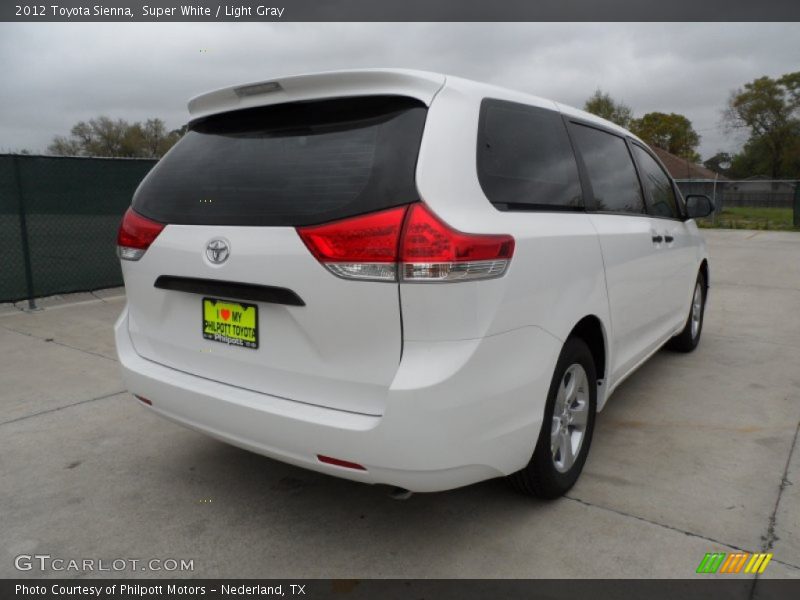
(224, 331)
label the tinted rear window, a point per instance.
(525, 159)
(289, 164)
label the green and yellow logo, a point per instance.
(736, 562)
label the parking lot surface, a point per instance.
(695, 453)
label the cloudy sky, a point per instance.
(55, 74)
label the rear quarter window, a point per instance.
(524, 158)
(289, 164)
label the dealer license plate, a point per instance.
(232, 323)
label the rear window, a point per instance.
(525, 160)
(289, 164)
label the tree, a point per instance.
(719, 163)
(155, 138)
(671, 132)
(105, 137)
(603, 105)
(62, 146)
(769, 111)
(755, 160)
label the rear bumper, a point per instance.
(457, 412)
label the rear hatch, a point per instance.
(229, 291)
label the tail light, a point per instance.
(408, 242)
(363, 247)
(431, 250)
(135, 235)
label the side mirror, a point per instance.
(698, 206)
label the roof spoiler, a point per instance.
(332, 84)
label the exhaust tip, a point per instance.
(399, 493)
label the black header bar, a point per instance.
(401, 10)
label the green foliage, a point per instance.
(745, 217)
(603, 105)
(719, 163)
(769, 110)
(106, 137)
(671, 132)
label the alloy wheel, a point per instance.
(570, 417)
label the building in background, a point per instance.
(680, 168)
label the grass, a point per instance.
(743, 217)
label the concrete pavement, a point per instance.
(694, 453)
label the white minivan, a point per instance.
(404, 278)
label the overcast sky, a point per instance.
(55, 74)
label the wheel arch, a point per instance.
(591, 330)
(704, 271)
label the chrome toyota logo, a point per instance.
(217, 251)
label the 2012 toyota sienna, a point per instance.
(404, 278)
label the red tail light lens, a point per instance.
(363, 247)
(371, 247)
(431, 250)
(135, 235)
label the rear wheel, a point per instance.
(687, 340)
(567, 428)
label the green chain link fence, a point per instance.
(796, 213)
(58, 222)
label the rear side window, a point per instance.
(289, 164)
(525, 160)
(662, 201)
(610, 168)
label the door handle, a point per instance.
(657, 239)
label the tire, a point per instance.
(687, 340)
(549, 473)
